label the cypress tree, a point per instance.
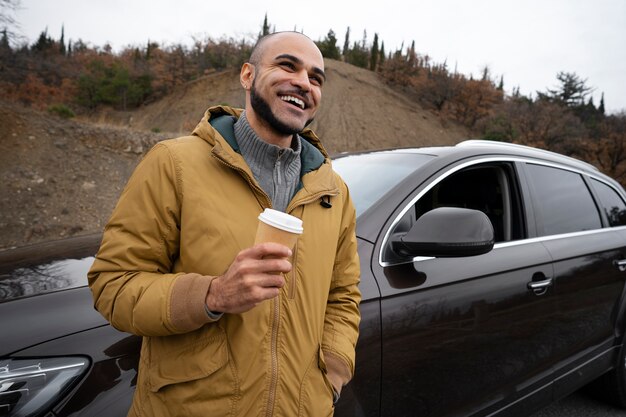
(601, 106)
(374, 54)
(4, 42)
(265, 30)
(346, 44)
(62, 41)
(412, 56)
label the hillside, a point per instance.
(358, 111)
(60, 178)
(63, 177)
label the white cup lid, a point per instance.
(282, 221)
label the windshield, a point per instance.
(370, 176)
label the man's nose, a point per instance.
(301, 80)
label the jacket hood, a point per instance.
(207, 130)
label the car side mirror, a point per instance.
(447, 232)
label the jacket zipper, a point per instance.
(274, 358)
(271, 398)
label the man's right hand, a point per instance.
(253, 277)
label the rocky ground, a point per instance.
(60, 178)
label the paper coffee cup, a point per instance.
(278, 227)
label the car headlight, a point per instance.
(29, 386)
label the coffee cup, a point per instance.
(278, 227)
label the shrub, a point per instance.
(61, 110)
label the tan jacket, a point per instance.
(190, 206)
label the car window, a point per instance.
(563, 200)
(370, 176)
(611, 202)
(489, 188)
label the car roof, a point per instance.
(523, 150)
(476, 147)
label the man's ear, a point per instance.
(246, 77)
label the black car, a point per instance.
(492, 281)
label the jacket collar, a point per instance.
(218, 122)
(216, 128)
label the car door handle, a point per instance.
(539, 287)
(620, 264)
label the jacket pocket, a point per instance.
(187, 357)
(322, 366)
(316, 392)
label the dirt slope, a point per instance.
(63, 177)
(59, 177)
(358, 111)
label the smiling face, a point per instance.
(284, 81)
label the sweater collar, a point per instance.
(220, 120)
(251, 144)
(265, 158)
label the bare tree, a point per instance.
(572, 92)
(8, 24)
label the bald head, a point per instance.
(261, 46)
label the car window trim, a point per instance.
(557, 237)
(482, 160)
(599, 201)
(521, 242)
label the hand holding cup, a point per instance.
(256, 273)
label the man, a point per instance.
(231, 328)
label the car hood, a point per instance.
(32, 280)
(29, 321)
(46, 267)
(44, 294)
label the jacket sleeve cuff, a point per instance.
(337, 371)
(187, 302)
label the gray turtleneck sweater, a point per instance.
(276, 169)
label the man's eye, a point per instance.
(288, 65)
(316, 80)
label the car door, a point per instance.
(361, 397)
(588, 282)
(465, 335)
(611, 199)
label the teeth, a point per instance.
(293, 100)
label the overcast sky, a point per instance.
(526, 41)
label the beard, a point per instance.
(264, 111)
